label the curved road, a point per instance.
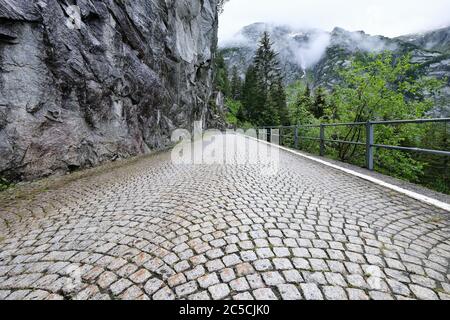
(155, 229)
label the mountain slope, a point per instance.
(436, 40)
(319, 55)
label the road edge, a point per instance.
(411, 194)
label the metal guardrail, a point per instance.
(370, 139)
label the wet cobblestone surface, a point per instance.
(158, 230)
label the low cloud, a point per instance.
(360, 41)
(301, 47)
(384, 17)
(308, 54)
(306, 47)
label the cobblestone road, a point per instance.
(157, 230)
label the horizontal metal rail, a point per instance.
(370, 137)
(311, 138)
(412, 121)
(420, 150)
(345, 142)
(346, 124)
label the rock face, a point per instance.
(436, 40)
(86, 81)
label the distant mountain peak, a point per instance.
(434, 40)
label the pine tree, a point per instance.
(278, 96)
(249, 96)
(319, 103)
(302, 107)
(236, 84)
(307, 97)
(221, 82)
(264, 97)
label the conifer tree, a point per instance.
(236, 84)
(249, 96)
(221, 81)
(319, 103)
(264, 98)
(302, 107)
(278, 96)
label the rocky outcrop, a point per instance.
(435, 40)
(86, 81)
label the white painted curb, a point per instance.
(411, 194)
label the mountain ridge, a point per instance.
(434, 40)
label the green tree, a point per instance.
(319, 103)
(249, 97)
(300, 110)
(234, 108)
(278, 97)
(236, 84)
(264, 97)
(381, 87)
(436, 168)
(221, 81)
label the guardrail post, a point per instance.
(280, 132)
(369, 145)
(322, 140)
(296, 138)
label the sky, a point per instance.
(377, 17)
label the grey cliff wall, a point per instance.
(76, 93)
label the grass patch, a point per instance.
(4, 184)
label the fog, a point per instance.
(310, 53)
(306, 47)
(384, 17)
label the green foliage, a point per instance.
(436, 168)
(249, 97)
(4, 184)
(319, 103)
(380, 87)
(293, 90)
(221, 81)
(263, 93)
(235, 85)
(377, 87)
(234, 108)
(277, 102)
(246, 125)
(300, 104)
